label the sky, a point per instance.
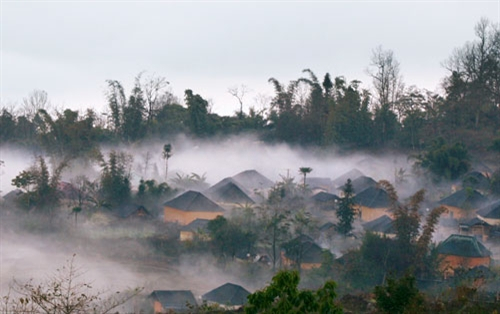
(70, 48)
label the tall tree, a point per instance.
(198, 113)
(133, 126)
(115, 178)
(167, 153)
(346, 212)
(116, 102)
(304, 171)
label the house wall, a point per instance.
(286, 262)
(185, 217)
(157, 307)
(369, 214)
(458, 213)
(450, 262)
(186, 236)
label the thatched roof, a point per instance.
(193, 201)
(352, 174)
(227, 294)
(228, 191)
(465, 199)
(463, 245)
(491, 211)
(252, 179)
(373, 197)
(176, 300)
(383, 224)
(360, 184)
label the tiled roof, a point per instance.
(227, 294)
(383, 224)
(463, 245)
(353, 174)
(360, 184)
(252, 179)
(491, 211)
(193, 202)
(177, 300)
(465, 199)
(373, 197)
(229, 192)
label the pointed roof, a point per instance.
(360, 184)
(176, 300)
(383, 224)
(373, 197)
(321, 182)
(227, 294)
(323, 197)
(128, 210)
(305, 247)
(229, 191)
(326, 226)
(465, 199)
(352, 174)
(463, 245)
(193, 201)
(476, 180)
(491, 211)
(474, 222)
(252, 179)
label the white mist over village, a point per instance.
(249, 157)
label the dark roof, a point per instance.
(465, 199)
(323, 197)
(197, 224)
(353, 174)
(227, 294)
(251, 179)
(314, 182)
(305, 247)
(174, 299)
(463, 245)
(373, 197)
(13, 195)
(474, 222)
(382, 224)
(229, 191)
(128, 210)
(476, 180)
(193, 202)
(491, 211)
(360, 184)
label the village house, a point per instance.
(359, 185)
(382, 226)
(172, 301)
(463, 204)
(462, 251)
(475, 227)
(229, 296)
(229, 194)
(325, 201)
(372, 203)
(189, 206)
(304, 251)
(341, 180)
(490, 213)
(197, 228)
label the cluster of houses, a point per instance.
(471, 218)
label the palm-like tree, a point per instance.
(305, 171)
(167, 153)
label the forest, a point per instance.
(106, 190)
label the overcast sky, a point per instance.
(69, 48)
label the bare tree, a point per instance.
(36, 100)
(387, 80)
(239, 93)
(154, 89)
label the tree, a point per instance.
(167, 153)
(346, 211)
(387, 80)
(283, 296)
(445, 161)
(399, 296)
(133, 127)
(63, 293)
(229, 238)
(198, 113)
(115, 178)
(305, 171)
(154, 89)
(116, 103)
(239, 93)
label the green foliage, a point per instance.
(346, 212)
(115, 178)
(283, 296)
(198, 114)
(229, 238)
(399, 296)
(445, 161)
